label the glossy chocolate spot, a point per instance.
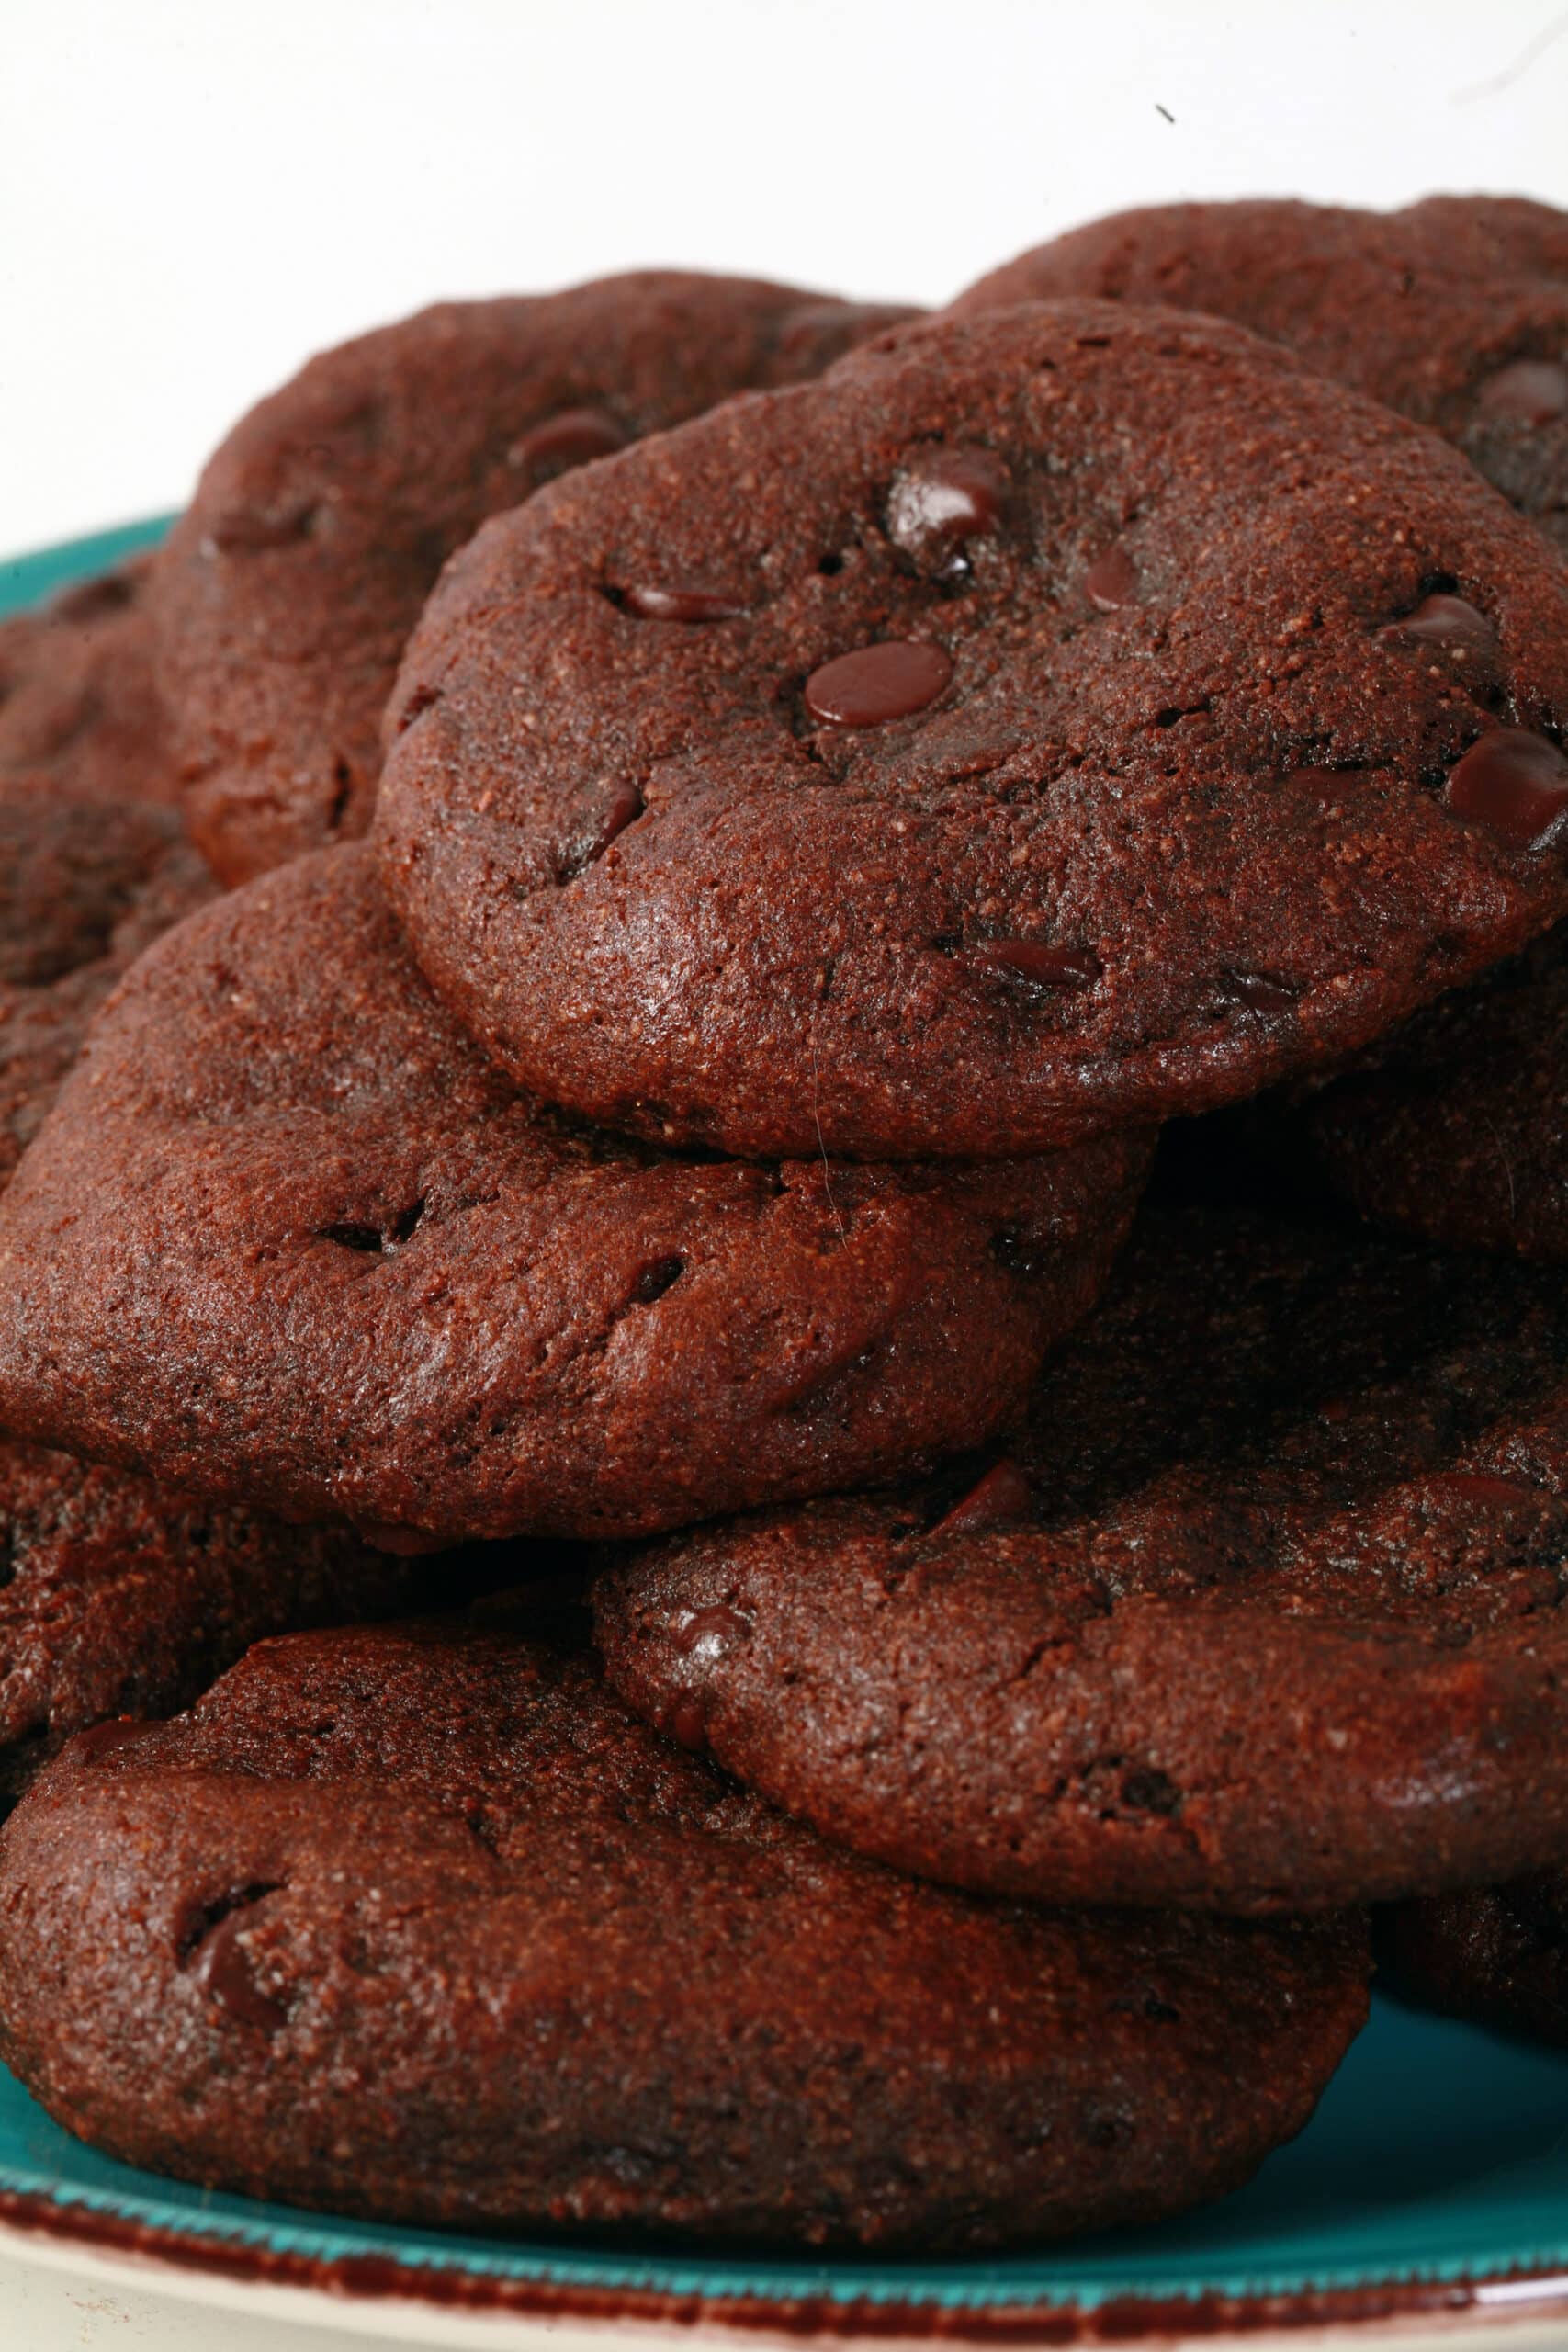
(95, 600)
(1528, 391)
(686, 1722)
(649, 603)
(1041, 965)
(1259, 992)
(1446, 620)
(224, 1973)
(655, 1280)
(1003, 1497)
(575, 436)
(1484, 1486)
(623, 808)
(714, 1631)
(1326, 783)
(90, 1747)
(1111, 580)
(252, 529)
(1515, 782)
(947, 497)
(877, 684)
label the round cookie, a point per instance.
(84, 885)
(116, 1598)
(1457, 1129)
(77, 699)
(320, 524)
(1017, 734)
(1453, 312)
(1497, 1955)
(419, 1924)
(290, 1240)
(1268, 1611)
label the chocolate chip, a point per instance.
(1042, 965)
(1112, 580)
(90, 1747)
(1484, 1486)
(877, 684)
(251, 529)
(573, 437)
(655, 1280)
(1446, 620)
(224, 1970)
(1151, 1791)
(685, 1723)
(1259, 992)
(679, 604)
(1003, 1497)
(1515, 782)
(623, 808)
(946, 497)
(717, 1630)
(1528, 391)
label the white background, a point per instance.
(194, 194)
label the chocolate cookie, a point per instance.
(320, 524)
(1028, 728)
(1457, 1129)
(420, 1924)
(77, 700)
(84, 885)
(1498, 1954)
(290, 1239)
(116, 1598)
(1454, 312)
(1268, 1611)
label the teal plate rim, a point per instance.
(1435, 2175)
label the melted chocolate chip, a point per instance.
(1043, 967)
(1515, 782)
(1003, 1497)
(680, 604)
(1259, 992)
(1327, 782)
(948, 497)
(624, 807)
(1446, 620)
(90, 1747)
(1528, 391)
(95, 600)
(252, 529)
(1484, 1486)
(714, 1630)
(878, 683)
(655, 1280)
(1112, 580)
(224, 1972)
(686, 1723)
(573, 437)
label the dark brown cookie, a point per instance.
(320, 524)
(421, 1925)
(77, 699)
(84, 885)
(1498, 1955)
(290, 1239)
(1454, 312)
(1269, 1610)
(1457, 1127)
(1014, 735)
(116, 1598)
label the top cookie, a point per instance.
(1454, 312)
(320, 525)
(1032, 728)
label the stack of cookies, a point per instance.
(792, 1625)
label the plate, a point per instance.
(1428, 2199)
